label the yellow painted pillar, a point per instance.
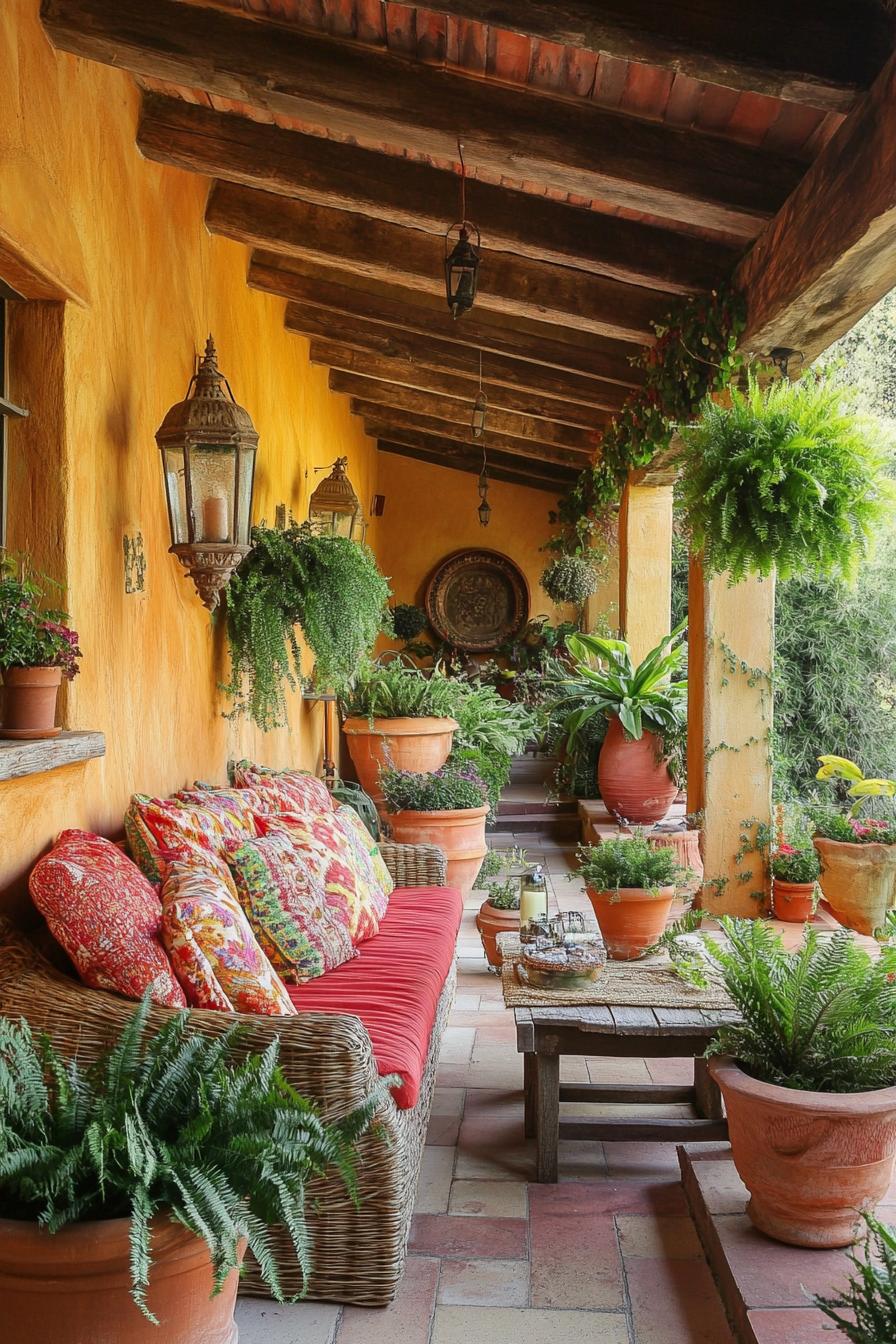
(645, 566)
(730, 650)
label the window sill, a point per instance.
(18, 759)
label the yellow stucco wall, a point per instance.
(93, 219)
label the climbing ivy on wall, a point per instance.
(695, 353)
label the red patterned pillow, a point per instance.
(300, 929)
(156, 825)
(283, 790)
(103, 911)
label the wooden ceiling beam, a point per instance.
(349, 90)
(335, 241)
(416, 195)
(830, 253)
(472, 465)
(530, 449)
(402, 401)
(410, 356)
(431, 440)
(384, 378)
(816, 57)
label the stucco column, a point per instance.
(730, 650)
(645, 566)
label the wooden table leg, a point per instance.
(707, 1097)
(530, 1095)
(548, 1116)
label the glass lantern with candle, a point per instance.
(208, 445)
(334, 509)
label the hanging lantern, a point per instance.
(480, 408)
(208, 445)
(462, 256)
(334, 509)
(484, 510)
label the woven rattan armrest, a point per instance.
(415, 865)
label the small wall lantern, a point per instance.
(334, 509)
(208, 445)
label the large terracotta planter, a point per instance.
(793, 900)
(422, 745)
(490, 921)
(460, 833)
(810, 1160)
(631, 919)
(635, 785)
(858, 882)
(29, 702)
(75, 1287)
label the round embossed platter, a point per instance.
(476, 599)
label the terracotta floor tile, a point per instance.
(606, 1070)
(507, 1325)
(489, 1199)
(434, 1185)
(472, 1238)
(448, 1101)
(671, 1071)
(466, 1002)
(263, 1322)
(800, 1325)
(642, 1161)
(581, 1160)
(484, 1283)
(769, 1274)
(722, 1189)
(408, 1318)
(574, 1255)
(675, 1302)
(457, 1045)
(645, 1236)
(610, 1196)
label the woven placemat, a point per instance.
(622, 984)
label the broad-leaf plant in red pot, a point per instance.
(37, 649)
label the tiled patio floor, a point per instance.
(608, 1256)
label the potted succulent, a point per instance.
(446, 807)
(647, 712)
(131, 1190)
(869, 1298)
(37, 649)
(794, 875)
(631, 886)
(500, 911)
(858, 854)
(808, 1075)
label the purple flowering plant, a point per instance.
(31, 636)
(453, 788)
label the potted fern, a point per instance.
(857, 853)
(131, 1190)
(808, 1075)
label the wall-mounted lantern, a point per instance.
(208, 445)
(334, 509)
(462, 260)
(782, 357)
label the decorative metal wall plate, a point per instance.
(476, 599)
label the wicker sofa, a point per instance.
(359, 1250)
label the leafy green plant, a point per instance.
(166, 1125)
(616, 864)
(491, 866)
(392, 688)
(785, 478)
(29, 635)
(408, 621)
(328, 586)
(571, 578)
(504, 895)
(795, 865)
(486, 722)
(865, 1310)
(449, 789)
(493, 768)
(820, 1019)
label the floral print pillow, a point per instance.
(153, 825)
(350, 822)
(302, 932)
(105, 914)
(283, 790)
(213, 950)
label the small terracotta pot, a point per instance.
(635, 785)
(29, 702)
(810, 1160)
(793, 900)
(75, 1286)
(631, 919)
(858, 882)
(490, 921)
(460, 834)
(422, 745)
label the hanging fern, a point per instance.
(786, 478)
(327, 586)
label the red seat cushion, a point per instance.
(395, 984)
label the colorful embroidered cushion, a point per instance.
(302, 932)
(340, 862)
(349, 820)
(283, 790)
(156, 824)
(213, 950)
(103, 911)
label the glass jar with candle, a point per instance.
(533, 895)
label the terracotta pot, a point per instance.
(460, 833)
(858, 882)
(75, 1287)
(490, 921)
(29, 702)
(631, 919)
(793, 900)
(810, 1160)
(635, 786)
(422, 745)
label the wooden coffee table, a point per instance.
(544, 1035)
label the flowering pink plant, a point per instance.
(29, 636)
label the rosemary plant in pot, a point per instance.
(647, 712)
(37, 649)
(857, 853)
(446, 807)
(631, 886)
(501, 876)
(131, 1190)
(808, 1075)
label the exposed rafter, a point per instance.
(436, 456)
(372, 413)
(455, 418)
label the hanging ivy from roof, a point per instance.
(695, 353)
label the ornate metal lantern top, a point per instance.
(207, 413)
(334, 507)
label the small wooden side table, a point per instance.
(544, 1035)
